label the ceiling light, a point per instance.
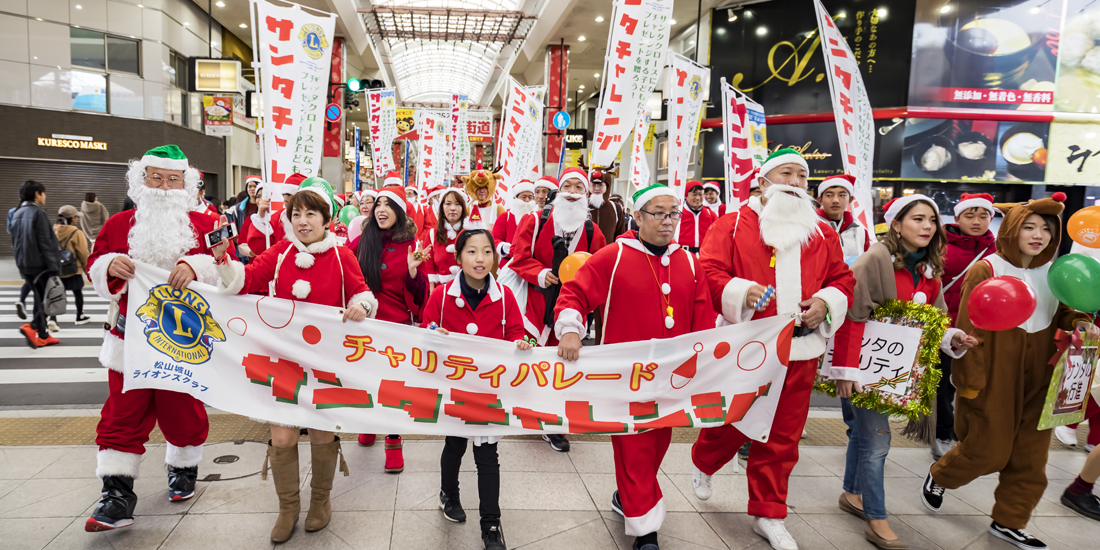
(581, 87)
(731, 15)
(243, 26)
(599, 19)
(761, 31)
(79, 7)
(946, 8)
(580, 39)
(220, 4)
(36, 57)
(37, 18)
(185, 23)
(1035, 10)
(673, 22)
(881, 13)
(597, 75)
(842, 15)
(570, 99)
(140, 6)
(692, 42)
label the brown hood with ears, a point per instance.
(1008, 237)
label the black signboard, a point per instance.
(576, 139)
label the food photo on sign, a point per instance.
(974, 150)
(1078, 87)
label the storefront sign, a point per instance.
(382, 104)
(576, 139)
(72, 142)
(686, 82)
(218, 115)
(636, 49)
(479, 126)
(1074, 154)
(817, 142)
(214, 75)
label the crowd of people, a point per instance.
(455, 260)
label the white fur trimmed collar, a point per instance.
(323, 245)
(454, 288)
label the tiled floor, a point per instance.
(550, 500)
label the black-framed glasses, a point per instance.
(662, 216)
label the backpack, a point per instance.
(54, 299)
(545, 217)
(67, 259)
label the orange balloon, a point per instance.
(571, 265)
(1084, 227)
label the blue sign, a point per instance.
(332, 112)
(561, 120)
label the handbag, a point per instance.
(54, 300)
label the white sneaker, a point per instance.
(1067, 435)
(776, 532)
(51, 325)
(941, 446)
(702, 483)
(1089, 448)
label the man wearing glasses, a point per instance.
(646, 287)
(162, 231)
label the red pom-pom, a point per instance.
(1059, 196)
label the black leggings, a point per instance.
(23, 292)
(945, 402)
(488, 475)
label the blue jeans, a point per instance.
(868, 444)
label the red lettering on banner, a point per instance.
(848, 131)
(709, 407)
(836, 50)
(280, 142)
(476, 408)
(560, 382)
(615, 96)
(681, 76)
(284, 377)
(846, 102)
(493, 376)
(422, 404)
(460, 365)
(326, 377)
(533, 420)
(580, 418)
(359, 345)
(394, 357)
(678, 419)
(628, 23)
(845, 77)
(276, 175)
(282, 60)
(643, 410)
(282, 85)
(622, 49)
(331, 398)
(281, 117)
(743, 401)
(281, 26)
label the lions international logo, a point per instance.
(694, 87)
(440, 129)
(313, 40)
(178, 324)
(533, 111)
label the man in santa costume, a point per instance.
(834, 193)
(542, 241)
(267, 225)
(543, 187)
(608, 216)
(774, 257)
(712, 198)
(504, 230)
(696, 219)
(418, 214)
(162, 231)
(647, 287)
(201, 205)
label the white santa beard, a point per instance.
(569, 216)
(787, 221)
(596, 201)
(521, 208)
(162, 232)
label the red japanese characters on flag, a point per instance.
(686, 84)
(432, 168)
(382, 106)
(636, 48)
(520, 146)
(639, 166)
(460, 141)
(294, 53)
(855, 124)
(738, 158)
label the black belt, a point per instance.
(692, 249)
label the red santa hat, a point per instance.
(711, 186)
(291, 183)
(576, 173)
(438, 189)
(366, 193)
(846, 181)
(393, 179)
(521, 187)
(975, 200)
(414, 189)
(474, 220)
(257, 179)
(341, 200)
(895, 206)
(396, 195)
(692, 185)
(549, 182)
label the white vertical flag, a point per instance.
(686, 82)
(460, 140)
(639, 166)
(432, 160)
(737, 156)
(382, 105)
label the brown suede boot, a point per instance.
(284, 470)
(325, 458)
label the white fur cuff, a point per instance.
(230, 277)
(371, 301)
(569, 321)
(649, 523)
(733, 301)
(110, 462)
(203, 266)
(245, 250)
(945, 344)
(263, 225)
(844, 373)
(504, 248)
(808, 347)
(542, 278)
(111, 353)
(98, 275)
(183, 457)
(838, 310)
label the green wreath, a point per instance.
(922, 393)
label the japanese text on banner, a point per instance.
(687, 80)
(639, 165)
(295, 55)
(521, 142)
(886, 357)
(382, 105)
(855, 124)
(432, 129)
(460, 141)
(636, 49)
(297, 364)
(738, 157)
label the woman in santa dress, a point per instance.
(439, 241)
(390, 258)
(303, 268)
(474, 303)
(905, 266)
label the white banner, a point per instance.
(639, 165)
(636, 49)
(432, 160)
(737, 153)
(296, 364)
(382, 105)
(855, 124)
(686, 84)
(757, 131)
(295, 52)
(521, 141)
(460, 141)
(886, 357)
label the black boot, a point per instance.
(116, 507)
(493, 537)
(181, 483)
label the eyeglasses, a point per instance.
(662, 216)
(157, 178)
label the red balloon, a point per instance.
(1000, 303)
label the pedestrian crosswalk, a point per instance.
(68, 373)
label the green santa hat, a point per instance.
(781, 157)
(323, 189)
(166, 157)
(643, 196)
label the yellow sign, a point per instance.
(406, 121)
(216, 75)
(72, 144)
(178, 323)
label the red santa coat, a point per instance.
(439, 263)
(961, 251)
(497, 315)
(401, 296)
(532, 261)
(630, 285)
(264, 231)
(504, 231)
(693, 227)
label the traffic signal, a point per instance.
(354, 85)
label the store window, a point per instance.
(89, 91)
(99, 51)
(177, 100)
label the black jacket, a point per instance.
(33, 241)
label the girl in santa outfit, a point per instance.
(474, 303)
(308, 266)
(390, 258)
(439, 242)
(905, 266)
(504, 230)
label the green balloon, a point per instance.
(1074, 280)
(348, 213)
